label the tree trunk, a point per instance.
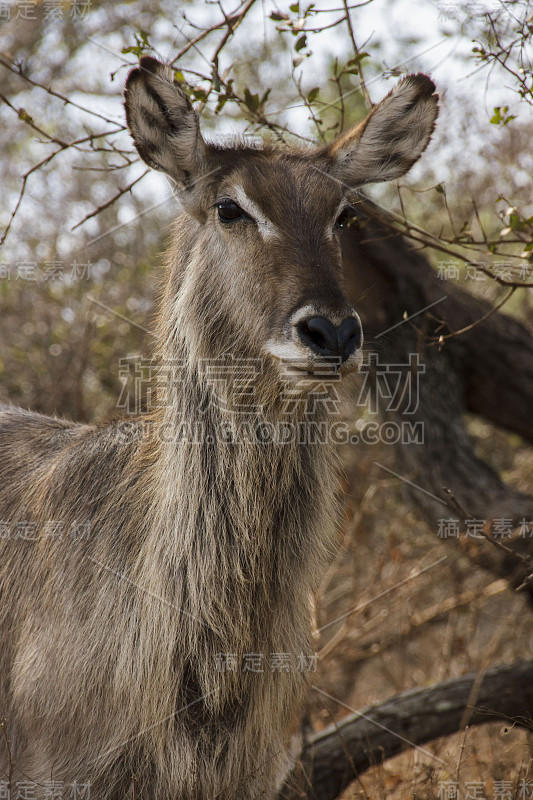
(487, 371)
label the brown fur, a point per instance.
(109, 640)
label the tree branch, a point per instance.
(334, 757)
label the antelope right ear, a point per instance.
(394, 135)
(164, 126)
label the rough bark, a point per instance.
(487, 371)
(333, 758)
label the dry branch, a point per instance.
(416, 622)
(333, 758)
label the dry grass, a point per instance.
(450, 620)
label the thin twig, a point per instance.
(368, 99)
(16, 69)
(233, 19)
(113, 199)
(525, 559)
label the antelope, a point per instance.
(193, 548)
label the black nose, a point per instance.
(324, 338)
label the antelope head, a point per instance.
(262, 272)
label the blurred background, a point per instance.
(83, 226)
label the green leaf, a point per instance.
(301, 43)
(136, 50)
(178, 76)
(439, 188)
(222, 100)
(142, 43)
(23, 115)
(358, 58)
(313, 94)
(499, 118)
(515, 223)
(277, 16)
(295, 8)
(251, 100)
(199, 94)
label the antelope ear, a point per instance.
(393, 136)
(164, 126)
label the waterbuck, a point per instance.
(155, 575)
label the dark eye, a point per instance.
(345, 217)
(228, 211)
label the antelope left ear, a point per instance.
(394, 135)
(162, 122)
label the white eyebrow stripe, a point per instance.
(267, 229)
(342, 205)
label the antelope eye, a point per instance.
(228, 211)
(345, 217)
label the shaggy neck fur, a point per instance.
(240, 531)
